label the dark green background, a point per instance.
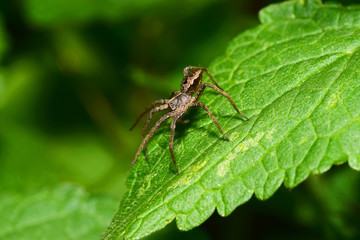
(74, 76)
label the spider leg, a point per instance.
(161, 101)
(187, 69)
(183, 121)
(201, 90)
(157, 109)
(198, 104)
(151, 132)
(173, 125)
(186, 72)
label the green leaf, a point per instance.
(63, 213)
(296, 76)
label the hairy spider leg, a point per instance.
(161, 101)
(157, 109)
(201, 90)
(186, 72)
(151, 132)
(173, 125)
(198, 104)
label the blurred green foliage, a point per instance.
(65, 212)
(74, 75)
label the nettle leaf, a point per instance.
(65, 212)
(296, 76)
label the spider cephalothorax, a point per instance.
(178, 105)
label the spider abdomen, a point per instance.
(191, 82)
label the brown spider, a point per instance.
(178, 105)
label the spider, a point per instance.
(178, 104)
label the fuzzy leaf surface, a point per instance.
(65, 212)
(296, 76)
